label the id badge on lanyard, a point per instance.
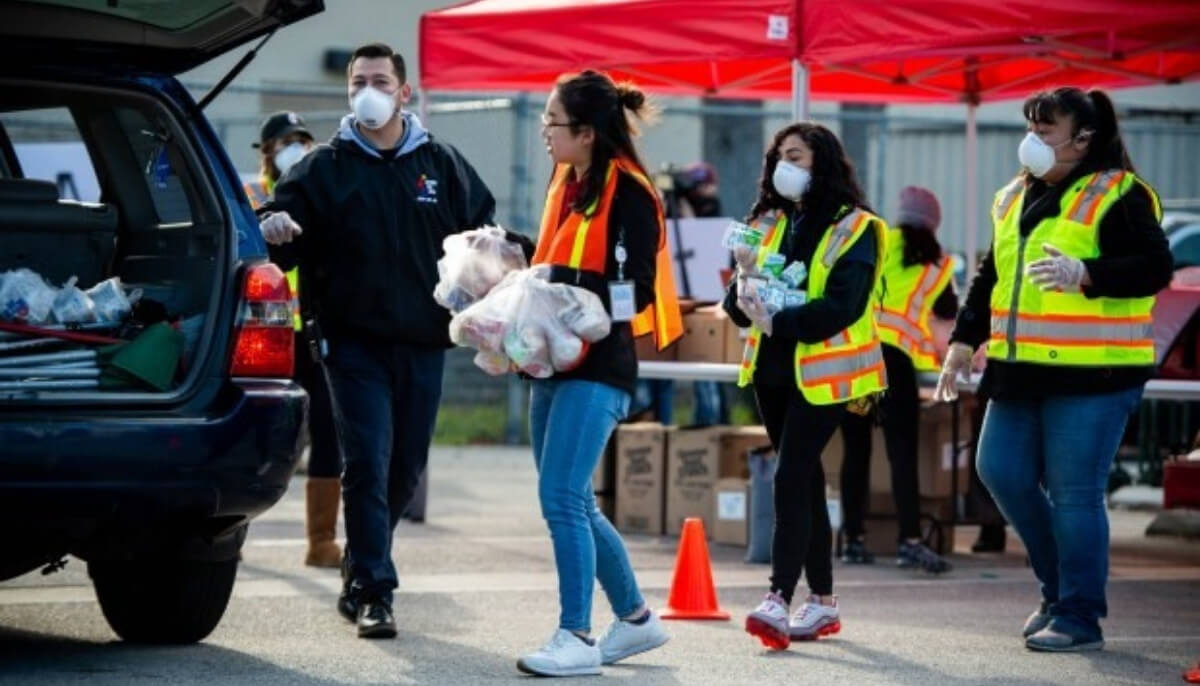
(620, 292)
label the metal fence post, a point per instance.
(519, 220)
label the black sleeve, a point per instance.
(731, 307)
(946, 305)
(522, 240)
(472, 202)
(847, 293)
(974, 323)
(1135, 259)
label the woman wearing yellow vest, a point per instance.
(916, 285)
(602, 230)
(283, 140)
(807, 361)
(1063, 300)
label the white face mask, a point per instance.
(1037, 155)
(373, 108)
(290, 155)
(790, 181)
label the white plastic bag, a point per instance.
(112, 305)
(474, 262)
(539, 326)
(73, 306)
(25, 296)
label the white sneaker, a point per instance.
(814, 620)
(769, 622)
(625, 639)
(565, 654)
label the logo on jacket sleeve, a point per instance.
(426, 189)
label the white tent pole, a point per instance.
(799, 91)
(972, 198)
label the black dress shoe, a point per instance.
(347, 605)
(375, 620)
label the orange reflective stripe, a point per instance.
(1009, 199)
(846, 229)
(1084, 208)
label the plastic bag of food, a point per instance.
(111, 303)
(25, 296)
(483, 324)
(495, 364)
(73, 306)
(474, 263)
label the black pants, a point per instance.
(803, 539)
(324, 457)
(899, 412)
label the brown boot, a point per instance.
(323, 495)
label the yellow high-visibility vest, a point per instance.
(259, 192)
(850, 364)
(1053, 328)
(906, 303)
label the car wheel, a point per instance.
(164, 602)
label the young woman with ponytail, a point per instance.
(602, 229)
(1063, 301)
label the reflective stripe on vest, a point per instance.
(580, 242)
(1065, 328)
(907, 303)
(849, 364)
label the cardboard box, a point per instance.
(736, 443)
(639, 477)
(693, 459)
(735, 342)
(732, 512)
(646, 351)
(883, 529)
(704, 335)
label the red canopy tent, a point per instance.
(899, 51)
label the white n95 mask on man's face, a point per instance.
(288, 156)
(790, 181)
(373, 108)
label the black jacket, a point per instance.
(1135, 261)
(612, 360)
(373, 229)
(847, 293)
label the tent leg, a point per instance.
(972, 195)
(799, 91)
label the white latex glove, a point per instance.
(752, 306)
(278, 228)
(746, 257)
(957, 365)
(1058, 272)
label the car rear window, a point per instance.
(48, 146)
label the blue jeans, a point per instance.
(657, 395)
(385, 402)
(1046, 463)
(710, 407)
(570, 422)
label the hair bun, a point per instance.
(631, 97)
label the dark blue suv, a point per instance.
(108, 169)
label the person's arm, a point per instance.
(974, 323)
(472, 203)
(847, 295)
(522, 240)
(293, 196)
(1135, 259)
(946, 305)
(731, 307)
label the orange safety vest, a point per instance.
(581, 242)
(259, 191)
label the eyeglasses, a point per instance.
(550, 123)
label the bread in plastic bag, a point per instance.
(25, 296)
(474, 262)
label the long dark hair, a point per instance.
(920, 245)
(591, 98)
(833, 183)
(1092, 111)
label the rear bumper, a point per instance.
(229, 465)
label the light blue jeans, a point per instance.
(1046, 462)
(570, 422)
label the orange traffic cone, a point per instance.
(692, 593)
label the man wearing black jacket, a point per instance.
(364, 216)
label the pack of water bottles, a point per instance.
(771, 279)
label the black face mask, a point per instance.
(705, 206)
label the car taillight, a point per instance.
(265, 338)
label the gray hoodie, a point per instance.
(415, 135)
